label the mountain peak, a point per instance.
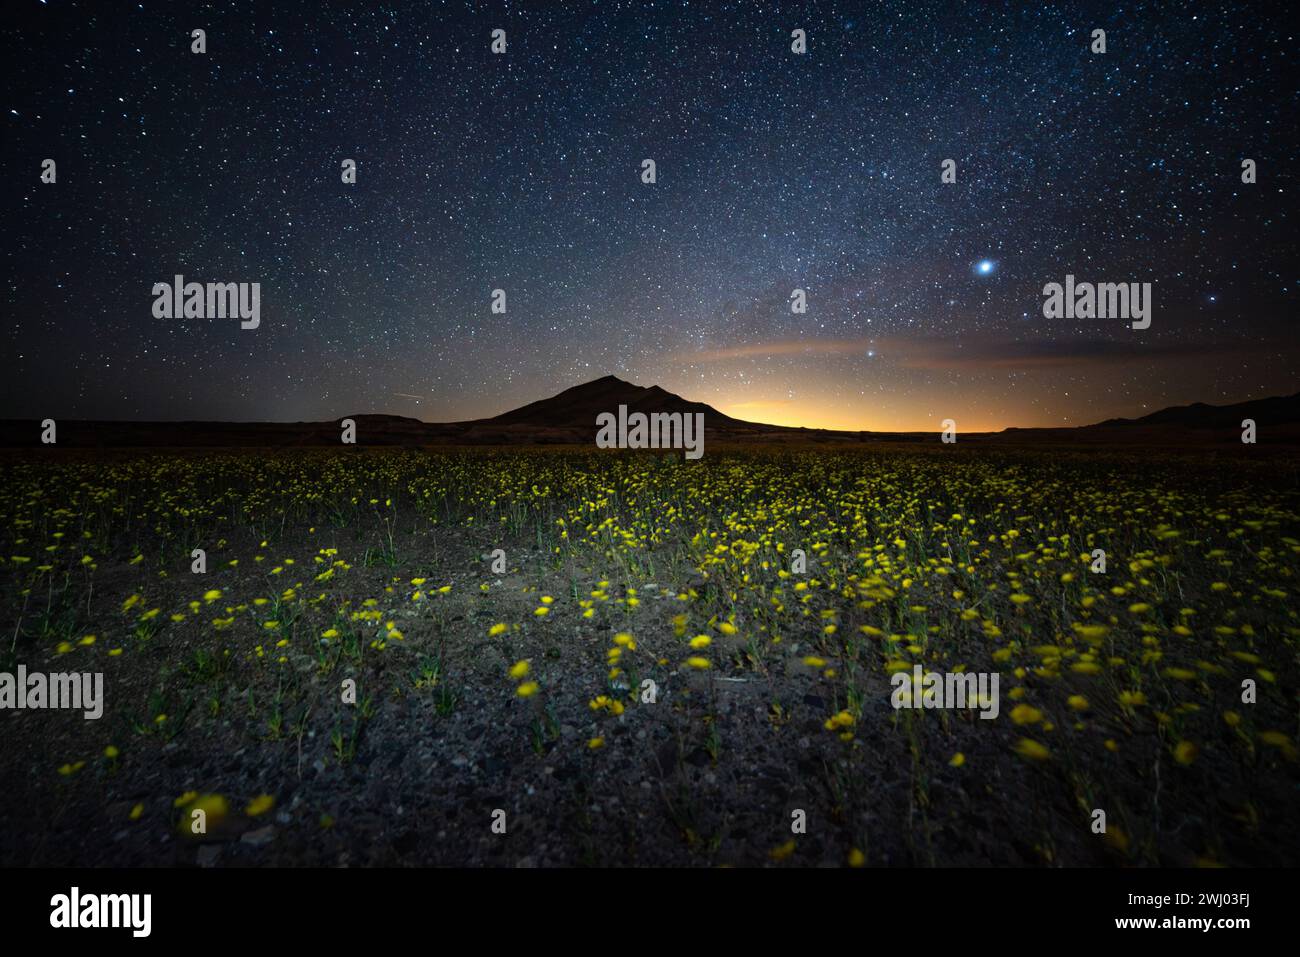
(578, 406)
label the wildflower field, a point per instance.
(644, 673)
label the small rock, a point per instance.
(209, 854)
(260, 837)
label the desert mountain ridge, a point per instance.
(569, 417)
(1199, 415)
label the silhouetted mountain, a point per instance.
(1276, 410)
(570, 418)
(579, 406)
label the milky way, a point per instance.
(521, 171)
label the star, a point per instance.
(522, 172)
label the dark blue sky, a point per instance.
(776, 171)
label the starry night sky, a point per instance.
(522, 171)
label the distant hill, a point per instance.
(566, 418)
(1277, 410)
(579, 406)
(1277, 421)
(569, 417)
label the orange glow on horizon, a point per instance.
(839, 417)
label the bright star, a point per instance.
(985, 266)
